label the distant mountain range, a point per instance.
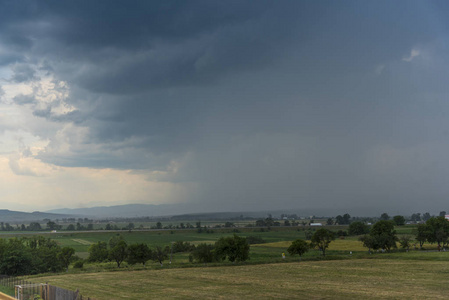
(127, 211)
(181, 211)
(151, 210)
(10, 216)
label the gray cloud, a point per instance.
(263, 104)
(22, 73)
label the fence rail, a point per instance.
(26, 290)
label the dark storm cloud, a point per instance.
(23, 73)
(299, 101)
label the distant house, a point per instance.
(316, 224)
(446, 217)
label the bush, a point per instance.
(78, 264)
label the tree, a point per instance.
(234, 248)
(16, 260)
(346, 219)
(119, 252)
(442, 213)
(384, 234)
(405, 241)
(399, 220)
(139, 253)
(421, 233)
(368, 242)
(322, 238)
(65, 256)
(384, 217)
(34, 226)
(203, 253)
(339, 220)
(358, 228)
(330, 221)
(160, 254)
(426, 216)
(98, 252)
(343, 220)
(298, 247)
(113, 241)
(71, 227)
(416, 217)
(51, 225)
(437, 230)
(159, 225)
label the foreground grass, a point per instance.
(342, 279)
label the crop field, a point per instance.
(334, 279)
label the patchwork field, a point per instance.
(341, 279)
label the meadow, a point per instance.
(334, 279)
(348, 271)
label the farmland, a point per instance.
(348, 271)
(337, 279)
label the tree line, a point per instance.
(233, 248)
(25, 256)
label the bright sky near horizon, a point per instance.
(228, 105)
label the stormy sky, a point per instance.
(227, 105)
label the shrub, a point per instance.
(78, 264)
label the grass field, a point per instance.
(341, 275)
(341, 279)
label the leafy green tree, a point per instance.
(330, 221)
(65, 256)
(426, 216)
(203, 253)
(113, 241)
(384, 217)
(368, 242)
(51, 225)
(160, 254)
(358, 228)
(442, 213)
(384, 234)
(416, 217)
(71, 227)
(16, 259)
(321, 239)
(405, 241)
(98, 252)
(399, 220)
(339, 220)
(159, 225)
(234, 248)
(343, 220)
(119, 252)
(298, 247)
(34, 226)
(421, 232)
(437, 230)
(180, 246)
(139, 253)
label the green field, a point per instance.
(336, 279)
(347, 271)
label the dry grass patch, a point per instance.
(346, 279)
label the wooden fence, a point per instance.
(25, 290)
